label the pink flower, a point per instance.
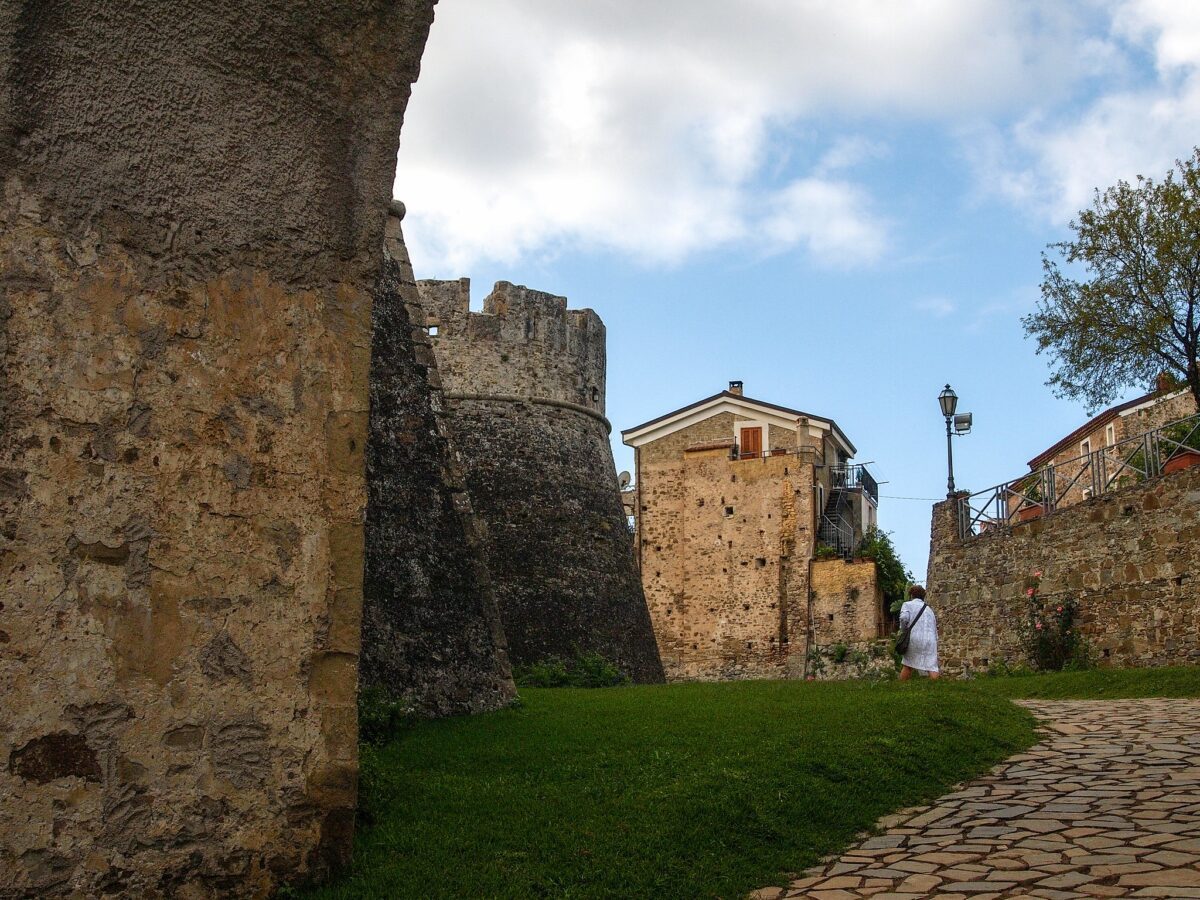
(1029, 593)
(1039, 626)
(1060, 609)
(1037, 574)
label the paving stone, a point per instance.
(1106, 805)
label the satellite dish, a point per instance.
(624, 480)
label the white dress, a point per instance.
(922, 645)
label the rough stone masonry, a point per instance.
(431, 628)
(1130, 557)
(524, 381)
(194, 197)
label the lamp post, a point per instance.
(948, 400)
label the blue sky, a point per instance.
(841, 203)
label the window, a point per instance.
(1110, 435)
(752, 442)
(1085, 448)
(728, 511)
(433, 331)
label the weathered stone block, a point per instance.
(192, 216)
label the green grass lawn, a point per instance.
(702, 790)
(1097, 684)
(691, 791)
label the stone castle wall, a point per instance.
(847, 602)
(1131, 558)
(524, 343)
(524, 381)
(725, 547)
(192, 228)
(431, 629)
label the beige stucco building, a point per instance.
(732, 498)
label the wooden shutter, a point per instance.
(751, 443)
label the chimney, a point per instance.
(735, 387)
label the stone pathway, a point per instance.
(1106, 805)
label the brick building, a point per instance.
(731, 500)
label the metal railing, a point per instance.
(738, 453)
(853, 477)
(837, 533)
(1074, 480)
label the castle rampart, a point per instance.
(192, 213)
(524, 383)
(431, 629)
(525, 344)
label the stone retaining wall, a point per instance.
(1131, 558)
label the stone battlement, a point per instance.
(525, 343)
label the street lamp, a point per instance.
(955, 425)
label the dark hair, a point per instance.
(916, 592)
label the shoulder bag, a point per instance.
(905, 633)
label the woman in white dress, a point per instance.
(921, 655)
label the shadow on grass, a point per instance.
(697, 790)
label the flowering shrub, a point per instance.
(1051, 638)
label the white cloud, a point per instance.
(831, 219)
(652, 129)
(1051, 162)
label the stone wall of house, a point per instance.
(725, 546)
(431, 631)
(1076, 478)
(1130, 557)
(847, 602)
(524, 383)
(192, 227)
(1155, 416)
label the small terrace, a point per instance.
(1159, 452)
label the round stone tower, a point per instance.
(524, 383)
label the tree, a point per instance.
(1133, 314)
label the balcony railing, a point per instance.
(1064, 484)
(739, 453)
(855, 477)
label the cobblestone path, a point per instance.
(1106, 805)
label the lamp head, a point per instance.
(948, 401)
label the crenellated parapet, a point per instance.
(524, 343)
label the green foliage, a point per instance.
(381, 718)
(816, 661)
(1051, 636)
(824, 551)
(1182, 434)
(893, 578)
(1134, 313)
(1002, 668)
(381, 715)
(665, 791)
(839, 653)
(585, 670)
